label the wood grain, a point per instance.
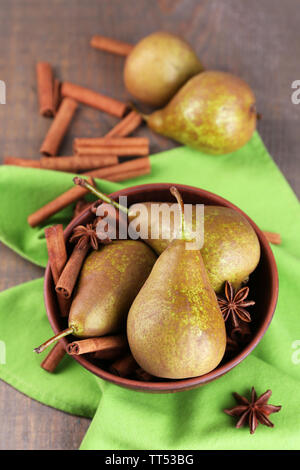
(255, 39)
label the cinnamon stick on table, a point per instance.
(71, 164)
(45, 87)
(57, 256)
(76, 164)
(123, 171)
(111, 45)
(57, 205)
(58, 127)
(54, 357)
(25, 162)
(110, 142)
(125, 127)
(94, 99)
(105, 343)
(273, 237)
(56, 95)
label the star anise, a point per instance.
(85, 235)
(233, 304)
(256, 411)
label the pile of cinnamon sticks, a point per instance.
(114, 157)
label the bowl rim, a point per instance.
(182, 384)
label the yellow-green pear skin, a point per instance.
(213, 112)
(158, 66)
(175, 328)
(109, 281)
(231, 249)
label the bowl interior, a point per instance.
(263, 287)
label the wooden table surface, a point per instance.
(255, 39)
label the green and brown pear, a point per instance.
(109, 281)
(213, 112)
(175, 328)
(231, 249)
(158, 66)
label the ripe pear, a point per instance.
(109, 281)
(175, 328)
(213, 112)
(231, 250)
(158, 66)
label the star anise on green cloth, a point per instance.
(234, 303)
(256, 411)
(86, 235)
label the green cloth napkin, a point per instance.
(194, 419)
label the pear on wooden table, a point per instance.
(158, 66)
(213, 112)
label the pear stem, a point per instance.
(45, 345)
(174, 191)
(102, 196)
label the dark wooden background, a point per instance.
(255, 39)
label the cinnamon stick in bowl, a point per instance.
(105, 343)
(57, 256)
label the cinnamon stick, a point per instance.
(94, 99)
(121, 151)
(68, 277)
(80, 206)
(143, 375)
(25, 162)
(111, 142)
(105, 343)
(123, 171)
(57, 256)
(76, 164)
(56, 95)
(110, 354)
(125, 127)
(58, 127)
(57, 205)
(124, 367)
(111, 45)
(57, 252)
(71, 164)
(53, 359)
(45, 86)
(272, 237)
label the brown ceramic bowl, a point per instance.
(263, 284)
